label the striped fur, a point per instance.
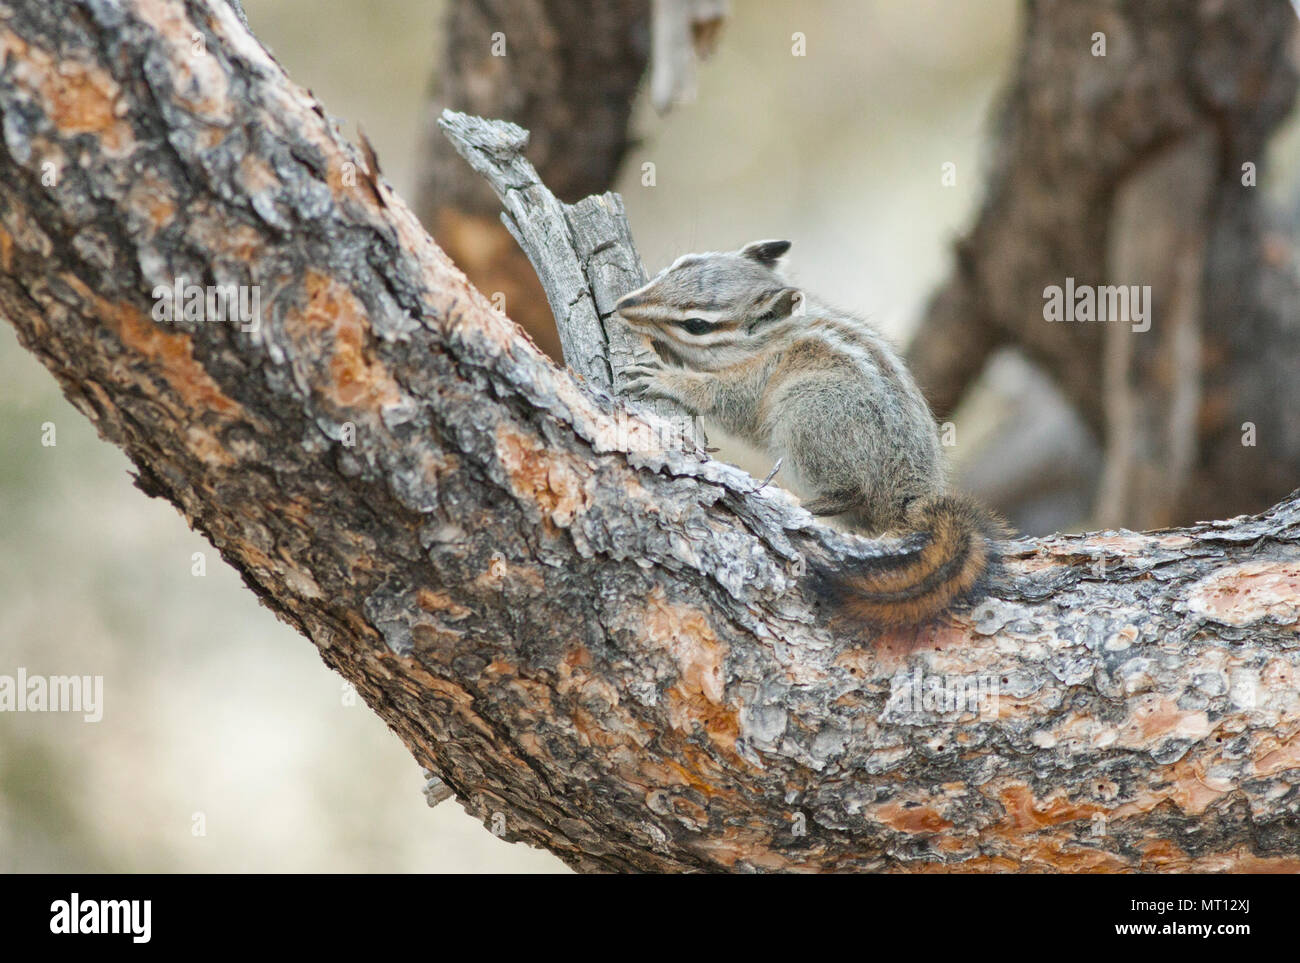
(823, 391)
(949, 562)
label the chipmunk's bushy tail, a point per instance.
(948, 564)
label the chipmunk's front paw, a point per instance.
(644, 381)
(653, 380)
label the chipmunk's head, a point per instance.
(713, 309)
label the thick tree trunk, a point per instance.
(1124, 140)
(603, 647)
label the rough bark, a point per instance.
(603, 651)
(1127, 168)
(566, 70)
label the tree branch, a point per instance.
(583, 254)
(568, 71)
(602, 648)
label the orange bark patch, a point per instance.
(686, 633)
(1276, 755)
(1160, 853)
(80, 98)
(1039, 562)
(1189, 788)
(440, 602)
(890, 648)
(737, 844)
(152, 200)
(172, 356)
(1025, 811)
(1156, 717)
(1249, 592)
(599, 717)
(333, 325)
(1134, 544)
(1049, 854)
(1185, 785)
(697, 696)
(542, 476)
(908, 818)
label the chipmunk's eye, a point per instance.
(695, 326)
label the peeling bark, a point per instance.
(609, 645)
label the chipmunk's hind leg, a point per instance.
(836, 503)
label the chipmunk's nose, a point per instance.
(633, 304)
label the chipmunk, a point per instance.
(825, 393)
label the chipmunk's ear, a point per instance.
(765, 252)
(775, 306)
